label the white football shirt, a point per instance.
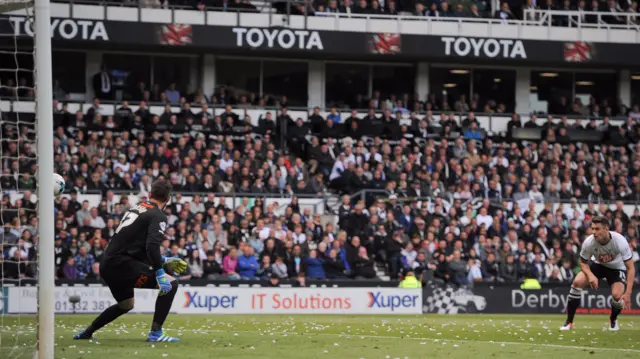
(611, 255)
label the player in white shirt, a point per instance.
(604, 255)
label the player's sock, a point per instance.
(109, 315)
(163, 306)
(573, 304)
(616, 308)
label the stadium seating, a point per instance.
(457, 196)
(392, 209)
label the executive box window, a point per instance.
(130, 70)
(448, 84)
(286, 78)
(601, 86)
(551, 87)
(65, 65)
(172, 69)
(394, 80)
(239, 77)
(496, 88)
(16, 70)
(347, 85)
(561, 90)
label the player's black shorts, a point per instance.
(123, 276)
(610, 274)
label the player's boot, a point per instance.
(613, 325)
(156, 336)
(83, 335)
(566, 326)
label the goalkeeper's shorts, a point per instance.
(122, 277)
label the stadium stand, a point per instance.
(599, 14)
(459, 191)
(438, 193)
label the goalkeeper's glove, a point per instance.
(174, 264)
(163, 282)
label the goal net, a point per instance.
(26, 208)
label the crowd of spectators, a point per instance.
(615, 12)
(426, 218)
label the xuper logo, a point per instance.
(393, 301)
(479, 47)
(209, 302)
(68, 29)
(278, 38)
(296, 301)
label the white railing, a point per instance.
(538, 24)
(582, 19)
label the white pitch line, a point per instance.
(348, 336)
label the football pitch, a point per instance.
(334, 336)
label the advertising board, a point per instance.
(216, 300)
(328, 44)
(513, 300)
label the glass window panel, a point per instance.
(347, 85)
(551, 87)
(494, 87)
(131, 70)
(394, 80)
(602, 87)
(16, 69)
(169, 69)
(65, 70)
(447, 85)
(286, 78)
(238, 77)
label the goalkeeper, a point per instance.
(132, 260)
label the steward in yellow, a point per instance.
(410, 281)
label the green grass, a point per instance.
(331, 336)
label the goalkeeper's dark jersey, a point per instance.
(138, 237)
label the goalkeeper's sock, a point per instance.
(573, 304)
(163, 306)
(109, 315)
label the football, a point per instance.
(58, 184)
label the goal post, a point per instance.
(12, 73)
(43, 80)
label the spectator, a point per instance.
(70, 270)
(248, 264)
(458, 269)
(315, 266)
(195, 265)
(490, 268)
(230, 264)
(279, 268)
(265, 270)
(363, 265)
(509, 269)
(211, 268)
(84, 262)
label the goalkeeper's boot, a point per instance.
(156, 336)
(83, 335)
(613, 325)
(567, 326)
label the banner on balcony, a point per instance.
(282, 41)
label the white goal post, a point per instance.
(44, 134)
(40, 12)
